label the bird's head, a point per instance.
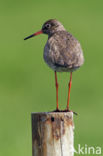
(52, 26)
(49, 28)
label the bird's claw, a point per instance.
(66, 110)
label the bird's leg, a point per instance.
(56, 84)
(69, 88)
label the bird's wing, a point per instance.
(66, 50)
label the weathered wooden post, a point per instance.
(52, 134)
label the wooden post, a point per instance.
(52, 134)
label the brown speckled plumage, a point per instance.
(62, 51)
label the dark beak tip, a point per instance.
(25, 38)
(28, 37)
(37, 33)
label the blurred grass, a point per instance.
(27, 84)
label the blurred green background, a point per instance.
(27, 84)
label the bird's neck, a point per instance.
(59, 28)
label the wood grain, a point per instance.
(52, 134)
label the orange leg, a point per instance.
(56, 84)
(69, 88)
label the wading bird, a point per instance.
(62, 52)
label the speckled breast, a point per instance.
(63, 53)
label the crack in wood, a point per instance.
(52, 134)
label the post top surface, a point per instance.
(54, 114)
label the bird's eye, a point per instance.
(48, 25)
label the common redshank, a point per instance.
(62, 52)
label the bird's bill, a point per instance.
(35, 34)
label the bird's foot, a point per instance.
(68, 110)
(57, 110)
